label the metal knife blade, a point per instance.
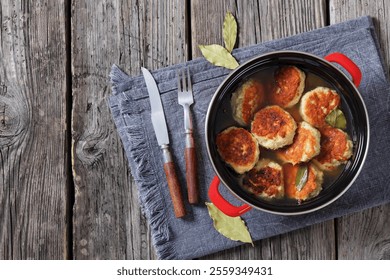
(161, 131)
(158, 117)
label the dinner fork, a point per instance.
(186, 99)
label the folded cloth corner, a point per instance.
(194, 236)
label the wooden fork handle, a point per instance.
(191, 170)
(173, 185)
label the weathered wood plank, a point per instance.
(370, 239)
(258, 20)
(261, 21)
(341, 10)
(108, 223)
(33, 145)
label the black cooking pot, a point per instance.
(219, 117)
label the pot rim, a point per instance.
(243, 66)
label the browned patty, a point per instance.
(336, 148)
(265, 180)
(246, 100)
(289, 85)
(317, 104)
(273, 127)
(305, 146)
(238, 148)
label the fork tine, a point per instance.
(178, 80)
(189, 80)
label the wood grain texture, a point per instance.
(108, 223)
(191, 175)
(174, 190)
(297, 245)
(371, 239)
(33, 144)
(341, 10)
(260, 21)
(34, 116)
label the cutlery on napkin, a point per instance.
(161, 131)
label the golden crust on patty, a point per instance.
(305, 146)
(336, 148)
(273, 127)
(246, 100)
(265, 180)
(289, 85)
(317, 104)
(313, 184)
(238, 148)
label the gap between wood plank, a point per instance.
(327, 11)
(188, 29)
(69, 104)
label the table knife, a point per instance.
(161, 131)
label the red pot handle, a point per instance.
(348, 65)
(222, 204)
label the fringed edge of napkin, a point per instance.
(153, 205)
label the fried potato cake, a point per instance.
(336, 148)
(246, 100)
(305, 146)
(265, 180)
(289, 86)
(273, 127)
(317, 104)
(238, 148)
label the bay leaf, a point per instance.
(336, 118)
(229, 31)
(331, 118)
(219, 56)
(232, 228)
(341, 122)
(302, 176)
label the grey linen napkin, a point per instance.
(194, 236)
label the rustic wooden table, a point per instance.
(65, 189)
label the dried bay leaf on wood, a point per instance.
(218, 56)
(229, 31)
(232, 228)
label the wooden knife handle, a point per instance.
(174, 189)
(191, 175)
